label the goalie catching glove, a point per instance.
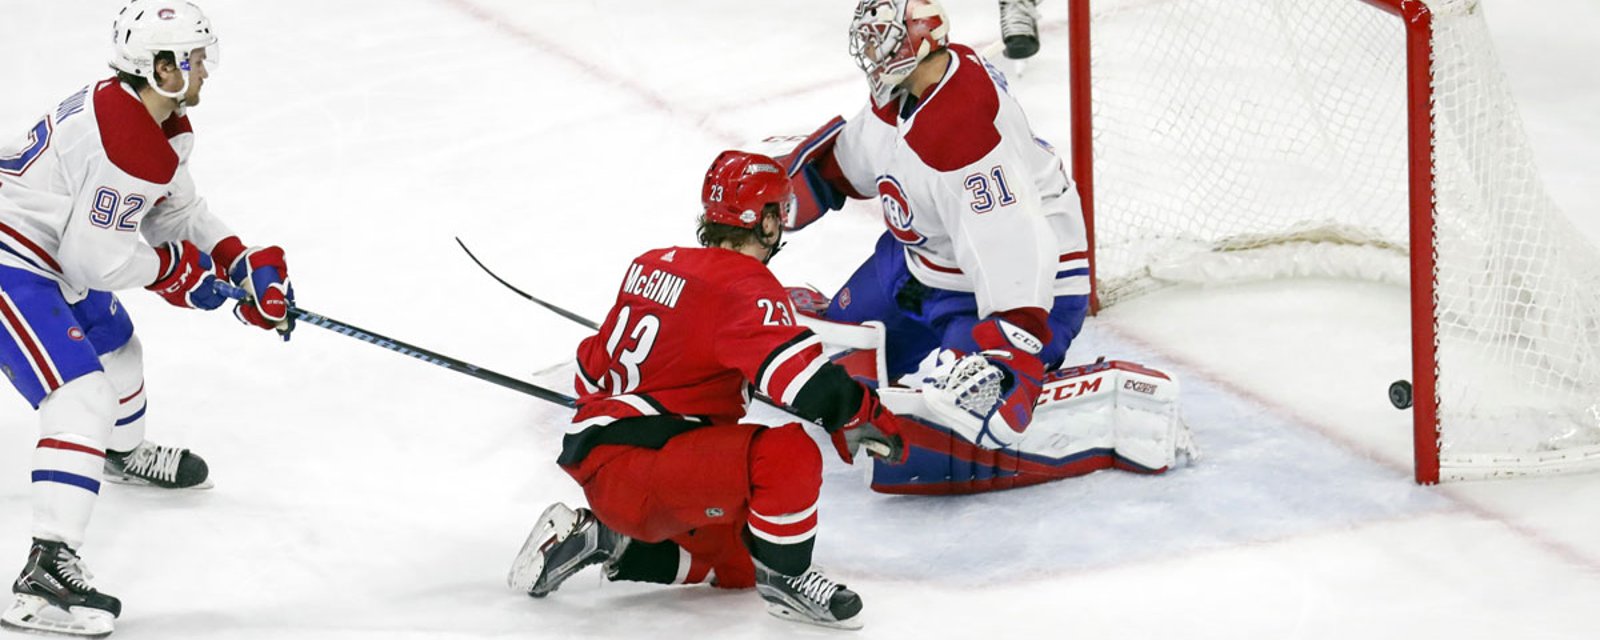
(992, 392)
(263, 274)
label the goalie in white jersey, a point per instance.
(985, 251)
(96, 197)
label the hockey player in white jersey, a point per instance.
(986, 254)
(96, 197)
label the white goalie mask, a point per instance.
(888, 38)
(145, 28)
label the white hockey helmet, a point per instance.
(146, 27)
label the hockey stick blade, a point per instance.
(403, 348)
(558, 310)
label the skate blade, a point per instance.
(555, 524)
(135, 481)
(786, 613)
(33, 614)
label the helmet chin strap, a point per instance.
(182, 93)
(775, 246)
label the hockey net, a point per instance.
(1230, 140)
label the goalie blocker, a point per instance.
(1110, 414)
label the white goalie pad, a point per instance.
(1110, 405)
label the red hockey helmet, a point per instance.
(889, 37)
(738, 187)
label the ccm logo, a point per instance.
(1140, 387)
(1070, 390)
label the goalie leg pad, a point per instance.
(1110, 414)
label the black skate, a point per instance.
(53, 595)
(810, 598)
(1019, 27)
(154, 465)
(562, 543)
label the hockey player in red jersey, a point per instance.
(96, 197)
(985, 257)
(681, 490)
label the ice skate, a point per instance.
(155, 465)
(810, 598)
(562, 543)
(1019, 27)
(53, 595)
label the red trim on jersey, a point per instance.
(31, 246)
(35, 352)
(52, 443)
(133, 141)
(955, 124)
(1076, 255)
(1065, 257)
(176, 125)
(888, 113)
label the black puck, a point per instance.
(1400, 394)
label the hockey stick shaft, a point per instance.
(403, 348)
(558, 310)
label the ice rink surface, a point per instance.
(360, 495)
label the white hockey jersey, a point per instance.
(978, 203)
(82, 185)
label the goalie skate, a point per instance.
(562, 543)
(52, 595)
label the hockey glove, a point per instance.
(261, 272)
(186, 277)
(872, 427)
(819, 184)
(1015, 352)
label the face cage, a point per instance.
(884, 72)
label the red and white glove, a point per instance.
(819, 184)
(1015, 352)
(262, 273)
(187, 277)
(872, 427)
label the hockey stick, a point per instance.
(559, 311)
(402, 348)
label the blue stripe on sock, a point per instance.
(1072, 272)
(83, 482)
(136, 415)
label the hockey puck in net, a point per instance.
(1400, 394)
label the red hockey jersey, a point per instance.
(691, 331)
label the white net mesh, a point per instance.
(1250, 139)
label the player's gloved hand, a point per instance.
(261, 272)
(815, 176)
(1015, 352)
(872, 427)
(186, 277)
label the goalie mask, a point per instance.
(737, 189)
(145, 28)
(889, 37)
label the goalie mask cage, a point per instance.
(1232, 140)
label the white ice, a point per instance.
(361, 495)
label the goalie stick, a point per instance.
(872, 448)
(425, 355)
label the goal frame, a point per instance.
(1417, 20)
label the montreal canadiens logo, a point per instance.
(166, 14)
(75, 333)
(897, 212)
